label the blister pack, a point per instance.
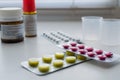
(52, 63)
(76, 46)
(75, 52)
(90, 52)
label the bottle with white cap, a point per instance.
(11, 25)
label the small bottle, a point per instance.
(11, 21)
(30, 18)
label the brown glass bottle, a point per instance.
(18, 38)
(11, 22)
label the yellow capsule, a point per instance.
(33, 62)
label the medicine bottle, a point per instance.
(30, 18)
(11, 25)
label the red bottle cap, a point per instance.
(29, 6)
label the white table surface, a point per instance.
(11, 55)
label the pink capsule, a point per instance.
(99, 52)
(73, 49)
(101, 57)
(65, 46)
(82, 51)
(91, 54)
(109, 55)
(89, 49)
(81, 46)
(73, 44)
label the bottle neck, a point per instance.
(30, 13)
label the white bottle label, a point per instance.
(30, 24)
(12, 31)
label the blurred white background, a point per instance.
(64, 3)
